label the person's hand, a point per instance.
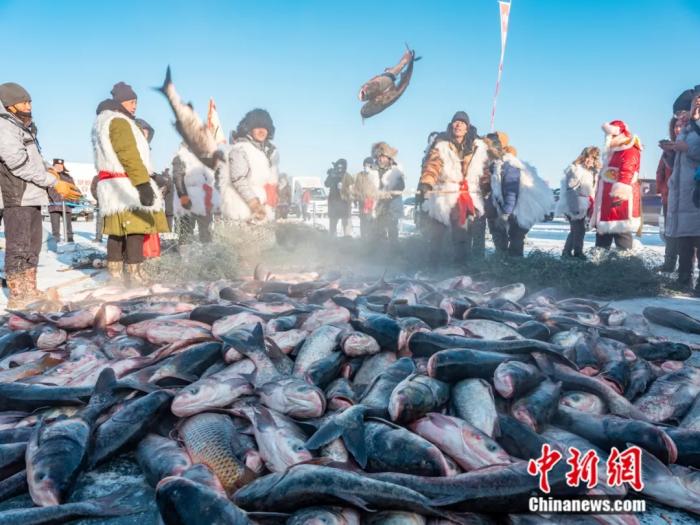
(424, 188)
(666, 145)
(67, 190)
(696, 195)
(257, 210)
(146, 194)
(680, 146)
(185, 202)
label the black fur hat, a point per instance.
(256, 118)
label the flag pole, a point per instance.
(504, 10)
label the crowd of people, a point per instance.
(468, 183)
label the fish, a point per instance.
(691, 420)
(661, 485)
(160, 457)
(208, 439)
(514, 379)
(583, 401)
(672, 319)
(325, 516)
(670, 396)
(14, 343)
(116, 504)
(662, 350)
(491, 330)
(196, 135)
(293, 397)
(209, 393)
(380, 92)
(357, 344)
(456, 364)
(127, 426)
(377, 395)
(537, 408)
(319, 344)
(396, 518)
(473, 401)
(467, 445)
(181, 500)
(415, 396)
(304, 485)
(497, 315)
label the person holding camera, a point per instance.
(339, 184)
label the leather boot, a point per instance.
(116, 271)
(17, 284)
(136, 277)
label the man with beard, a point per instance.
(24, 180)
(130, 202)
(450, 192)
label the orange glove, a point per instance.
(185, 202)
(67, 190)
(257, 210)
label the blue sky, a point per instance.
(569, 67)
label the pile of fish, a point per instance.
(308, 399)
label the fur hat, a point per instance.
(615, 128)
(121, 92)
(142, 124)
(256, 118)
(382, 148)
(12, 93)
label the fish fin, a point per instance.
(168, 80)
(106, 381)
(385, 422)
(357, 501)
(137, 385)
(354, 440)
(324, 435)
(117, 504)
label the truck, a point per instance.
(319, 196)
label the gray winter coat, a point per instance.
(683, 218)
(23, 175)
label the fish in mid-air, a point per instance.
(382, 91)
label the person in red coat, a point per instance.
(617, 210)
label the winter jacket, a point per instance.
(682, 217)
(284, 195)
(445, 170)
(576, 194)
(663, 173)
(250, 172)
(617, 206)
(194, 180)
(391, 183)
(165, 184)
(122, 160)
(532, 199)
(366, 190)
(55, 199)
(24, 178)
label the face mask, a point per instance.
(24, 116)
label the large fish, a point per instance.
(196, 135)
(415, 396)
(672, 319)
(161, 457)
(473, 401)
(208, 439)
(381, 92)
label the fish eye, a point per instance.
(491, 447)
(194, 390)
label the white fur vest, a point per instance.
(196, 176)
(261, 171)
(439, 205)
(535, 199)
(118, 194)
(576, 192)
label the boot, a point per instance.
(17, 284)
(116, 271)
(136, 277)
(32, 293)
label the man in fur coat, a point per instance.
(391, 184)
(248, 180)
(520, 199)
(617, 209)
(366, 193)
(195, 197)
(450, 189)
(130, 202)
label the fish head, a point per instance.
(486, 450)
(398, 404)
(42, 487)
(583, 401)
(304, 400)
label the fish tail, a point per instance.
(166, 83)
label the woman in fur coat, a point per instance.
(521, 199)
(576, 198)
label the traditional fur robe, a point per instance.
(249, 168)
(116, 192)
(439, 205)
(535, 199)
(197, 175)
(576, 193)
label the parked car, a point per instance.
(651, 202)
(84, 210)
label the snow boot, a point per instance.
(17, 284)
(135, 274)
(32, 293)
(116, 271)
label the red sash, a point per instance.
(208, 193)
(464, 203)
